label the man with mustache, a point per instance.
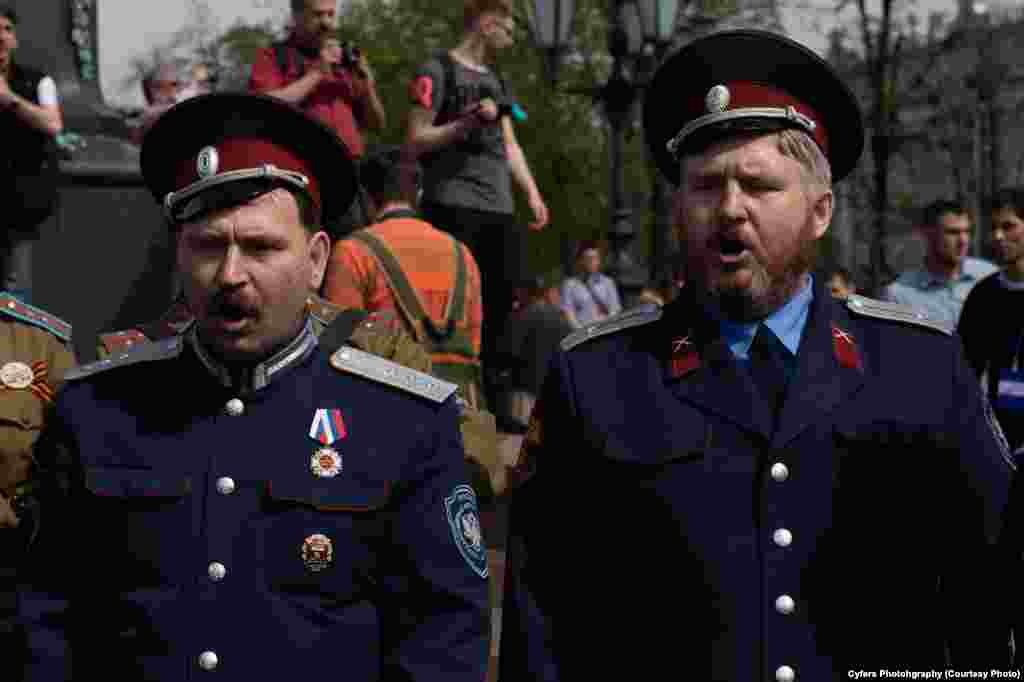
(237, 498)
(779, 485)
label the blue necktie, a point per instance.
(771, 365)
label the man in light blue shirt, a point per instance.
(940, 287)
(591, 295)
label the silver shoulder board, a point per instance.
(897, 312)
(376, 368)
(143, 352)
(634, 317)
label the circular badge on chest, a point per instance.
(16, 375)
(325, 462)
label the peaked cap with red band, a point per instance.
(222, 150)
(733, 82)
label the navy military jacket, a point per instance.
(665, 527)
(318, 527)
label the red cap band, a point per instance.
(745, 94)
(240, 153)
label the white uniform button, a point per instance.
(235, 407)
(216, 571)
(208, 660)
(784, 674)
(780, 472)
(785, 605)
(225, 485)
(783, 537)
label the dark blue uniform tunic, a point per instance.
(184, 530)
(667, 529)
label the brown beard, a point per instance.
(738, 305)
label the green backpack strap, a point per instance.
(457, 303)
(408, 301)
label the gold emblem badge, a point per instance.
(208, 162)
(16, 375)
(325, 462)
(317, 552)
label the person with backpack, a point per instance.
(460, 128)
(338, 89)
(403, 266)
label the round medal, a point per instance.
(16, 375)
(325, 462)
(317, 552)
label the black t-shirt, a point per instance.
(473, 173)
(992, 329)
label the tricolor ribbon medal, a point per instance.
(328, 427)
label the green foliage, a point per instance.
(563, 137)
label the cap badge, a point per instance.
(208, 162)
(325, 462)
(16, 375)
(317, 552)
(717, 99)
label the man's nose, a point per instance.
(232, 271)
(730, 205)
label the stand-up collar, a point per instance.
(251, 379)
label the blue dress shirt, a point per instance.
(787, 322)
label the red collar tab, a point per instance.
(685, 357)
(845, 348)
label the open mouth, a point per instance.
(232, 316)
(730, 247)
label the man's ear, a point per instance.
(821, 213)
(319, 249)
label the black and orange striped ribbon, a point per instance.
(39, 386)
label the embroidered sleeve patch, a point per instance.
(423, 92)
(464, 522)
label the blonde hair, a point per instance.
(801, 147)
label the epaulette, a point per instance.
(634, 317)
(322, 310)
(354, 361)
(12, 307)
(896, 312)
(145, 352)
(175, 320)
(123, 341)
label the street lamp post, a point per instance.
(637, 29)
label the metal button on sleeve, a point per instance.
(216, 571)
(780, 472)
(784, 674)
(208, 661)
(785, 605)
(225, 485)
(783, 537)
(235, 407)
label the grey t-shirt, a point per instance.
(473, 173)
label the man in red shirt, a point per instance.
(343, 96)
